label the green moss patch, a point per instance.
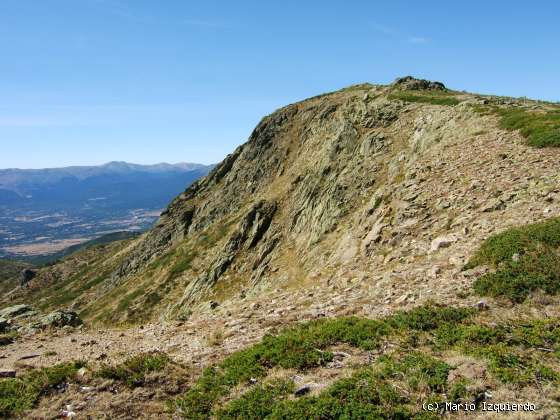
(525, 259)
(20, 394)
(427, 97)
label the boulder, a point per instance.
(411, 83)
(14, 311)
(493, 204)
(442, 242)
(61, 319)
(7, 373)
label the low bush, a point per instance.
(525, 259)
(20, 394)
(133, 371)
(306, 346)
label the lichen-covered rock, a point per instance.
(60, 319)
(14, 311)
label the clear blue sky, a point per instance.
(89, 81)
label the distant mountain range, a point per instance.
(118, 184)
(63, 206)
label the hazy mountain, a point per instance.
(62, 206)
(114, 184)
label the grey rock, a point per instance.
(493, 205)
(442, 242)
(29, 356)
(482, 305)
(61, 319)
(13, 311)
(306, 389)
(411, 83)
(303, 390)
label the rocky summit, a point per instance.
(371, 202)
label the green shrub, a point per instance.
(421, 371)
(306, 346)
(395, 385)
(541, 129)
(133, 371)
(508, 349)
(20, 394)
(370, 393)
(526, 259)
(362, 396)
(258, 402)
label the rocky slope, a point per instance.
(392, 186)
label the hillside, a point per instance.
(397, 225)
(10, 274)
(371, 183)
(44, 211)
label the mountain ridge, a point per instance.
(10, 177)
(329, 186)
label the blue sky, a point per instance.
(89, 81)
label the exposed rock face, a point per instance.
(24, 318)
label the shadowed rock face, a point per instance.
(301, 171)
(26, 276)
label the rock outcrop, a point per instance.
(411, 83)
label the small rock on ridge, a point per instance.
(411, 83)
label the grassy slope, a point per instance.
(9, 274)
